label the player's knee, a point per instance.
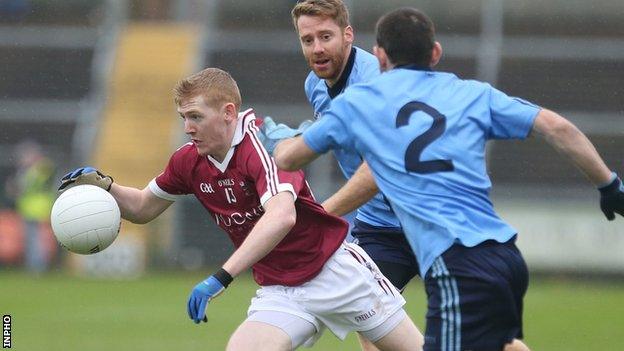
(516, 345)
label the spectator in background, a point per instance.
(33, 191)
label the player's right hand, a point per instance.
(612, 199)
(85, 175)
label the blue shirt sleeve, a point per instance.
(512, 118)
(327, 133)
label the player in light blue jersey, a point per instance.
(423, 134)
(326, 39)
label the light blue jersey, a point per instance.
(361, 67)
(423, 134)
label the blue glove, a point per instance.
(271, 133)
(612, 198)
(85, 175)
(204, 292)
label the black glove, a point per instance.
(612, 199)
(85, 175)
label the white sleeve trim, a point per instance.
(153, 186)
(280, 188)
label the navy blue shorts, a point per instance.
(390, 251)
(474, 297)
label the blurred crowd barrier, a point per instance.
(59, 60)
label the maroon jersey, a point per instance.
(234, 192)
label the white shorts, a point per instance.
(349, 294)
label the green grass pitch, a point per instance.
(62, 312)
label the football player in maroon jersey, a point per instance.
(310, 278)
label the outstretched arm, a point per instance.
(360, 188)
(292, 154)
(568, 140)
(138, 206)
(571, 142)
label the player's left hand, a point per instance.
(204, 292)
(612, 199)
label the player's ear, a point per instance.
(436, 54)
(230, 112)
(382, 57)
(348, 35)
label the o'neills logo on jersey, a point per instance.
(226, 182)
(238, 218)
(317, 115)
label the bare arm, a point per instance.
(360, 188)
(279, 217)
(138, 206)
(292, 154)
(569, 141)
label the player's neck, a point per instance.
(219, 157)
(220, 154)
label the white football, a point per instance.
(85, 219)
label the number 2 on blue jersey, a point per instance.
(416, 147)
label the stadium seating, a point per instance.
(46, 64)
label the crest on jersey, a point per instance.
(206, 188)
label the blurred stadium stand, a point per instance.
(567, 55)
(52, 69)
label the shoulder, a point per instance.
(246, 131)
(184, 159)
(250, 147)
(475, 84)
(186, 152)
(440, 82)
(366, 66)
(452, 78)
(365, 58)
(368, 86)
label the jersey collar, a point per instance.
(337, 88)
(415, 67)
(244, 118)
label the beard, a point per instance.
(333, 69)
